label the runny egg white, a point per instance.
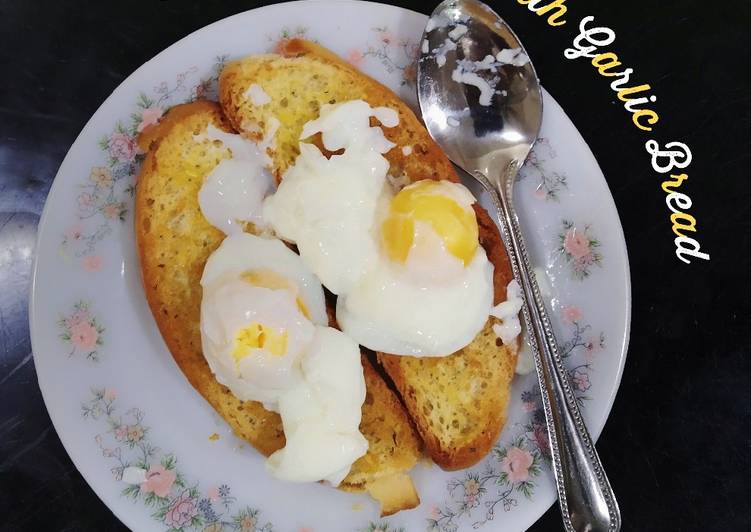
(233, 191)
(318, 416)
(264, 335)
(327, 205)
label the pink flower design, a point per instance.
(529, 406)
(305, 529)
(110, 395)
(571, 314)
(213, 493)
(122, 147)
(540, 193)
(386, 37)
(92, 263)
(516, 464)
(149, 117)
(159, 481)
(121, 433)
(585, 261)
(540, 436)
(593, 346)
(434, 512)
(576, 244)
(75, 232)
(181, 512)
(112, 210)
(84, 335)
(355, 57)
(580, 380)
(85, 200)
(76, 318)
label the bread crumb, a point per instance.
(214, 437)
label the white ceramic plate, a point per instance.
(119, 402)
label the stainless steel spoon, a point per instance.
(481, 101)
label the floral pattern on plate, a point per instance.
(579, 248)
(82, 331)
(550, 183)
(381, 526)
(512, 469)
(104, 198)
(153, 478)
(285, 34)
(396, 54)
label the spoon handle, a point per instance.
(587, 501)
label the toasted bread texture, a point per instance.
(175, 240)
(299, 83)
(458, 403)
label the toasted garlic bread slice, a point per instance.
(174, 241)
(458, 403)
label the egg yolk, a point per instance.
(264, 278)
(456, 225)
(258, 336)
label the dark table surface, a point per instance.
(678, 441)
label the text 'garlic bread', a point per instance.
(175, 240)
(457, 402)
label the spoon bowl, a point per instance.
(479, 135)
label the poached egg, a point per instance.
(264, 336)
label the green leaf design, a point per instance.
(132, 491)
(144, 102)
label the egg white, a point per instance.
(327, 205)
(230, 304)
(243, 252)
(391, 313)
(321, 416)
